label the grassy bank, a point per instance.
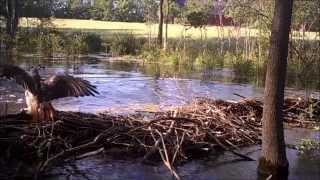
(143, 29)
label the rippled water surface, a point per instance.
(124, 85)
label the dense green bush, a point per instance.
(173, 58)
(209, 59)
(93, 42)
(126, 44)
(49, 42)
(75, 44)
(242, 67)
(150, 54)
(46, 42)
(27, 41)
(79, 43)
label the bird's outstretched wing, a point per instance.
(19, 75)
(60, 86)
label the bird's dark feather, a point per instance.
(19, 75)
(60, 86)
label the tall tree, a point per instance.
(12, 12)
(273, 156)
(165, 43)
(160, 30)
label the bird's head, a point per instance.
(35, 70)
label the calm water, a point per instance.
(127, 86)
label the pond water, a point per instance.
(127, 86)
(131, 86)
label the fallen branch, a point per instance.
(157, 143)
(247, 158)
(97, 143)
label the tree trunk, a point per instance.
(12, 20)
(160, 30)
(273, 156)
(165, 43)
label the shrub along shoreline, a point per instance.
(247, 56)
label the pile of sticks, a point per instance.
(198, 129)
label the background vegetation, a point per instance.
(127, 27)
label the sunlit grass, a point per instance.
(143, 29)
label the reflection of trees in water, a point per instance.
(122, 66)
(156, 91)
(207, 74)
(304, 62)
(256, 76)
(307, 77)
(168, 71)
(184, 91)
(170, 91)
(308, 81)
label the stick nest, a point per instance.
(198, 129)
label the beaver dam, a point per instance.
(195, 130)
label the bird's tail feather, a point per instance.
(42, 112)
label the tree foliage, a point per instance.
(109, 10)
(151, 11)
(128, 10)
(195, 13)
(37, 8)
(306, 15)
(260, 12)
(253, 12)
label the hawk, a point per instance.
(39, 93)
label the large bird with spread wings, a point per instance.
(39, 93)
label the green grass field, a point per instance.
(142, 29)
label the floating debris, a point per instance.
(20, 100)
(12, 96)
